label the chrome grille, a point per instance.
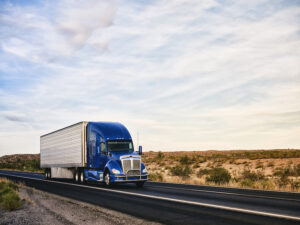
(131, 165)
(133, 173)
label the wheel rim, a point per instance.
(107, 181)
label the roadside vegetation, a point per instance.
(259, 169)
(9, 198)
(26, 162)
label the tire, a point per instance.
(48, 174)
(107, 180)
(81, 177)
(76, 176)
(140, 184)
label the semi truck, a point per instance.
(92, 151)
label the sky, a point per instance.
(180, 75)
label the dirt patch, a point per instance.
(48, 209)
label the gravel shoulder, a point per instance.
(41, 208)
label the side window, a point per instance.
(103, 148)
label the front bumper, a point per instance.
(131, 178)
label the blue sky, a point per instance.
(185, 75)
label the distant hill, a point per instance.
(23, 162)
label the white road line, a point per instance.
(172, 199)
(226, 193)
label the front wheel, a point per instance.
(107, 180)
(140, 184)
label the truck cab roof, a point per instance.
(110, 130)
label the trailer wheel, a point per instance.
(46, 174)
(107, 181)
(77, 176)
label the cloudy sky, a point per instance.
(184, 75)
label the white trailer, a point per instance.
(64, 150)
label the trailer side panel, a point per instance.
(65, 147)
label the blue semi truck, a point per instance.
(92, 151)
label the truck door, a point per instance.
(91, 149)
(96, 153)
(103, 154)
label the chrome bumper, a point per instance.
(123, 178)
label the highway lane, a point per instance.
(177, 204)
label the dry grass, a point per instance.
(260, 169)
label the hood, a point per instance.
(121, 155)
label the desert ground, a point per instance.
(259, 169)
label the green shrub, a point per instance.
(10, 201)
(184, 160)
(218, 175)
(181, 171)
(156, 177)
(202, 172)
(252, 176)
(160, 155)
(247, 183)
(9, 198)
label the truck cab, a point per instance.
(110, 155)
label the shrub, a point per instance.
(267, 184)
(10, 201)
(156, 177)
(295, 185)
(9, 198)
(185, 160)
(202, 172)
(247, 183)
(218, 175)
(181, 171)
(252, 176)
(160, 155)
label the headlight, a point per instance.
(145, 170)
(115, 171)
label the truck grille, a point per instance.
(131, 166)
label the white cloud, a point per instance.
(185, 75)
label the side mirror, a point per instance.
(140, 150)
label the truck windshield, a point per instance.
(118, 146)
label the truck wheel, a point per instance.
(46, 174)
(140, 184)
(82, 180)
(77, 176)
(107, 179)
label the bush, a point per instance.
(160, 155)
(10, 201)
(252, 176)
(9, 198)
(247, 183)
(181, 171)
(156, 177)
(218, 175)
(185, 160)
(202, 172)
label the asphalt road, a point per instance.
(178, 204)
